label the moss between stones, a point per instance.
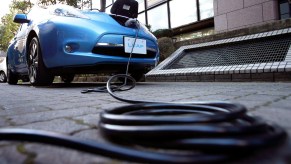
(30, 156)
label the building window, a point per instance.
(151, 3)
(141, 5)
(183, 13)
(141, 18)
(183, 17)
(158, 17)
(109, 3)
(107, 10)
(180, 13)
(284, 9)
(206, 9)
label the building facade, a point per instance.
(236, 14)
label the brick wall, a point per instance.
(236, 14)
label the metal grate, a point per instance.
(263, 50)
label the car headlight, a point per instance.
(68, 11)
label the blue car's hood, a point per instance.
(117, 27)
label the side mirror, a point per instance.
(21, 18)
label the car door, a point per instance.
(20, 49)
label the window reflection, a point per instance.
(96, 5)
(206, 9)
(183, 13)
(140, 5)
(107, 10)
(141, 18)
(153, 2)
(284, 9)
(158, 17)
(108, 2)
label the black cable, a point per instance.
(164, 132)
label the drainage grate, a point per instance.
(262, 50)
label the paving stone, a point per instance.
(49, 115)
(59, 155)
(62, 125)
(3, 122)
(23, 110)
(90, 119)
(10, 154)
(276, 115)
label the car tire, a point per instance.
(37, 71)
(67, 78)
(3, 77)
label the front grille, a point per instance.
(119, 51)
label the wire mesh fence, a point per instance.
(262, 50)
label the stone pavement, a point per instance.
(62, 108)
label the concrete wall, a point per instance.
(236, 14)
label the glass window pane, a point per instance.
(141, 18)
(108, 2)
(284, 8)
(141, 5)
(285, 16)
(158, 17)
(183, 13)
(96, 5)
(206, 9)
(152, 2)
(107, 10)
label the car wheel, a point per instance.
(12, 78)
(3, 77)
(38, 73)
(67, 78)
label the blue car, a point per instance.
(61, 40)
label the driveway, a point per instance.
(63, 109)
